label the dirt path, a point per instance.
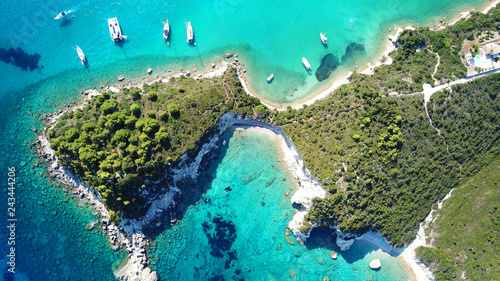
(436, 67)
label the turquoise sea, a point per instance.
(233, 226)
(269, 36)
(51, 240)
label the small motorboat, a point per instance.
(81, 54)
(324, 39)
(115, 30)
(190, 34)
(166, 31)
(306, 64)
(62, 14)
(270, 78)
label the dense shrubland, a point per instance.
(381, 161)
(117, 141)
(466, 234)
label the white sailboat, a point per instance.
(270, 78)
(324, 39)
(115, 30)
(190, 34)
(166, 31)
(306, 64)
(81, 54)
(62, 14)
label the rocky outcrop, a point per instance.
(344, 240)
(375, 264)
(333, 255)
(136, 268)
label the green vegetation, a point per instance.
(377, 155)
(117, 141)
(410, 69)
(380, 159)
(448, 42)
(467, 231)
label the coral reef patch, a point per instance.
(19, 58)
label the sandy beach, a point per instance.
(309, 187)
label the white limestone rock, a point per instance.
(375, 264)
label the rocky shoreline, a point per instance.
(130, 233)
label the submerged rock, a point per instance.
(328, 64)
(297, 254)
(353, 50)
(333, 255)
(320, 260)
(19, 58)
(292, 273)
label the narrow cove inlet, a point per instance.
(233, 225)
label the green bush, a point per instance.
(173, 109)
(78, 114)
(163, 115)
(152, 96)
(108, 107)
(135, 93)
(151, 114)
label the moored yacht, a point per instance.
(166, 31)
(324, 39)
(115, 30)
(190, 34)
(306, 64)
(81, 54)
(270, 78)
(62, 14)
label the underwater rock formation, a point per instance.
(352, 50)
(19, 58)
(221, 235)
(328, 64)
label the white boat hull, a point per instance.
(115, 30)
(324, 39)
(270, 78)
(166, 31)
(190, 33)
(62, 14)
(307, 65)
(81, 55)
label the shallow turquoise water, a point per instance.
(234, 226)
(52, 241)
(269, 35)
